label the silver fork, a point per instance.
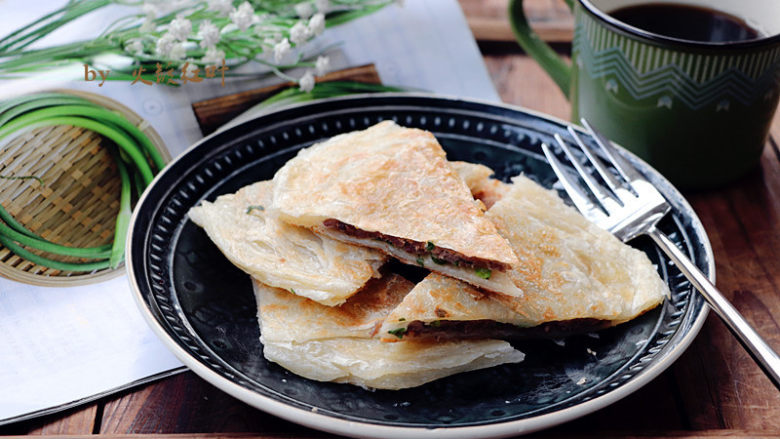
(630, 206)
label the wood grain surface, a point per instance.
(550, 19)
(713, 390)
(213, 113)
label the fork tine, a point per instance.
(626, 170)
(571, 186)
(623, 194)
(610, 179)
(602, 195)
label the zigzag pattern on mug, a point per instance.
(671, 80)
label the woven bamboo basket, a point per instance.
(78, 201)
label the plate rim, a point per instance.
(324, 422)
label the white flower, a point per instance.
(208, 34)
(147, 26)
(307, 81)
(317, 24)
(299, 33)
(164, 45)
(243, 16)
(180, 28)
(134, 46)
(322, 5)
(281, 49)
(213, 56)
(177, 51)
(224, 7)
(322, 65)
(304, 10)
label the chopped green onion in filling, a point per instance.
(484, 273)
(438, 261)
(255, 207)
(398, 332)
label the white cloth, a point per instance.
(59, 346)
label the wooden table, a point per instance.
(714, 389)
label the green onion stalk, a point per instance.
(170, 41)
(134, 151)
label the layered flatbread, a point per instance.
(478, 178)
(569, 267)
(575, 277)
(339, 344)
(392, 189)
(281, 255)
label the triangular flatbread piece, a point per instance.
(392, 189)
(340, 343)
(281, 255)
(575, 277)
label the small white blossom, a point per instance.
(177, 51)
(243, 16)
(180, 28)
(322, 5)
(281, 49)
(307, 81)
(213, 56)
(164, 45)
(304, 10)
(208, 34)
(322, 65)
(299, 33)
(224, 7)
(134, 46)
(317, 24)
(147, 26)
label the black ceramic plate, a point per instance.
(203, 308)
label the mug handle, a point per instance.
(558, 69)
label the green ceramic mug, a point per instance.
(699, 112)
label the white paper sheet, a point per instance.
(59, 346)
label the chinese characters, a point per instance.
(164, 74)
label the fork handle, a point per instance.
(755, 345)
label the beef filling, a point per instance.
(417, 248)
(481, 329)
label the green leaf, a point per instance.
(341, 17)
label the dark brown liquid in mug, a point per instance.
(685, 22)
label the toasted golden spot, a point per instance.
(441, 312)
